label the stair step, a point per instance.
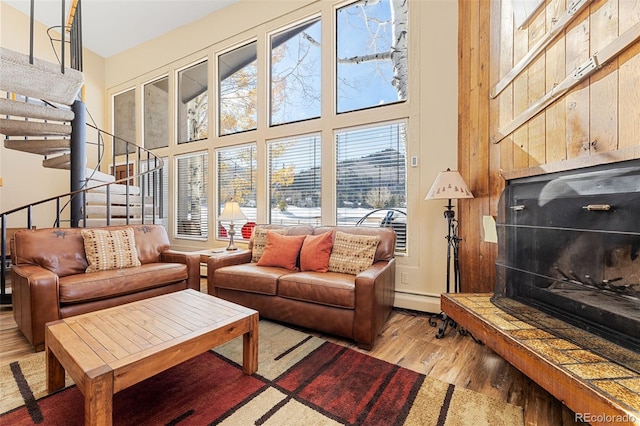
(116, 188)
(98, 176)
(33, 110)
(100, 199)
(39, 146)
(94, 211)
(61, 162)
(95, 223)
(34, 80)
(33, 128)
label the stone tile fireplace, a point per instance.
(570, 247)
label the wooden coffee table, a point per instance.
(109, 350)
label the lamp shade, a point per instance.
(232, 212)
(448, 185)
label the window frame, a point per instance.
(177, 102)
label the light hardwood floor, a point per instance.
(408, 340)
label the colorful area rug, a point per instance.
(301, 380)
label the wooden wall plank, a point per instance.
(577, 100)
(603, 119)
(603, 91)
(536, 151)
(605, 108)
(555, 115)
(628, 113)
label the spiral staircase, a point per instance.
(43, 114)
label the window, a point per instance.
(124, 121)
(192, 170)
(193, 103)
(156, 114)
(238, 94)
(152, 188)
(371, 54)
(294, 180)
(237, 168)
(371, 178)
(296, 73)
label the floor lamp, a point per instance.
(449, 185)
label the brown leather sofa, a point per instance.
(353, 306)
(49, 281)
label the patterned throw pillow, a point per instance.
(110, 249)
(260, 241)
(352, 254)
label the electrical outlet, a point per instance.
(404, 278)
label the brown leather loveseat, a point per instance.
(49, 281)
(355, 306)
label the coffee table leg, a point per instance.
(250, 347)
(55, 371)
(98, 398)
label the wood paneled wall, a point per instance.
(597, 121)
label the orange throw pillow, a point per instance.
(315, 252)
(282, 251)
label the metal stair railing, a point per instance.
(76, 197)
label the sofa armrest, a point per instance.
(35, 300)
(375, 294)
(228, 259)
(192, 260)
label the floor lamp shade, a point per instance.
(448, 185)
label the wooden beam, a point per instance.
(567, 16)
(595, 62)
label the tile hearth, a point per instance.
(557, 348)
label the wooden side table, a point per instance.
(217, 252)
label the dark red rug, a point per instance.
(301, 380)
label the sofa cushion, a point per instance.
(325, 288)
(282, 251)
(315, 252)
(81, 288)
(108, 249)
(250, 277)
(351, 253)
(64, 254)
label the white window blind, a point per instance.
(192, 205)
(371, 187)
(294, 180)
(237, 168)
(152, 190)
